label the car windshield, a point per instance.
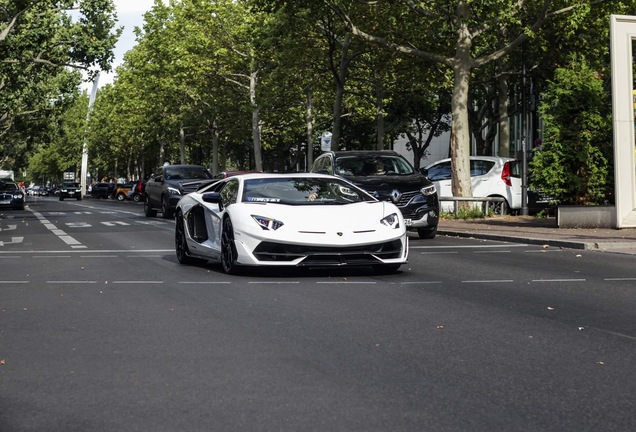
(302, 190)
(373, 165)
(8, 186)
(188, 172)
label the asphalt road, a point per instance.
(101, 330)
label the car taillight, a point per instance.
(505, 174)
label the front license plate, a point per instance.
(5, 202)
(408, 222)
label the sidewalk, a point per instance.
(544, 231)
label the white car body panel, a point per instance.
(310, 226)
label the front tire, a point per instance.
(136, 197)
(165, 211)
(180, 243)
(121, 197)
(427, 233)
(228, 248)
(148, 210)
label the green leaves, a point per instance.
(572, 163)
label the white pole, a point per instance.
(84, 173)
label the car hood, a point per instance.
(317, 218)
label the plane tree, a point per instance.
(39, 41)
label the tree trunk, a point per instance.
(379, 116)
(310, 127)
(460, 133)
(340, 90)
(504, 120)
(256, 120)
(182, 143)
(215, 149)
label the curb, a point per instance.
(511, 239)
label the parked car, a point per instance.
(388, 176)
(137, 192)
(122, 190)
(490, 177)
(102, 190)
(168, 184)
(300, 220)
(10, 195)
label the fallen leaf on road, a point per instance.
(439, 327)
(2, 362)
(550, 308)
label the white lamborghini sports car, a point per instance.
(309, 220)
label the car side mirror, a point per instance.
(211, 197)
(424, 172)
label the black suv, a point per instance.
(168, 184)
(102, 190)
(388, 176)
(70, 190)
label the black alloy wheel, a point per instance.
(427, 233)
(228, 248)
(148, 210)
(180, 244)
(165, 211)
(136, 197)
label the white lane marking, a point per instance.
(99, 256)
(111, 224)
(10, 257)
(204, 283)
(489, 281)
(558, 280)
(137, 282)
(274, 282)
(55, 256)
(13, 282)
(492, 252)
(438, 253)
(347, 283)
(59, 233)
(78, 225)
(91, 250)
(421, 283)
(72, 282)
(14, 240)
(621, 279)
(9, 228)
(69, 240)
(101, 209)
